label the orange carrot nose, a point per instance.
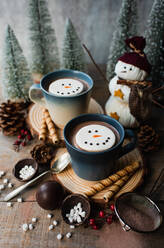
(67, 87)
(96, 136)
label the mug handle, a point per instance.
(131, 145)
(36, 96)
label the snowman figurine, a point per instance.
(131, 69)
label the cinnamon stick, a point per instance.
(113, 178)
(51, 127)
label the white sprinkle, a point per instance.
(10, 185)
(5, 181)
(59, 236)
(50, 227)
(2, 186)
(9, 204)
(79, 205)
(70, 219)
(75, 217)
(19, 199)
(55, 222)
(82, 214)
(72, 211)
(78, 219)
(72, 226)
(30, 226)
(34, 220)
(75, 207)
(68, 235)
(49, 216)
(2, 173)
(25, 227)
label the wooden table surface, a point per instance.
(109, 236)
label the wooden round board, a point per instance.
(35, 116)
(75, 184)
(68, 178)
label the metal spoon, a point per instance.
(59, 165)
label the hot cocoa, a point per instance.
(94, 136)
(67, 87)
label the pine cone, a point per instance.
(148, 139)
(12, 117)
(42, 153)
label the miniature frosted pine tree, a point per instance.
(44, 56)
(155, 42)
(126, 27)
(16, 77)
(73, 56)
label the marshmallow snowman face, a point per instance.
(95, 138)
(129, 72)
(66, 87)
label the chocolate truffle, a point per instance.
(49, 195)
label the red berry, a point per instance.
(92, 222)
(22, 131)
(19, 136)
(95, 227)
(25, 132)
(101, 214)
(29, 137)
(17, 142)
(112, 207)
(109, 219)
(23, 143)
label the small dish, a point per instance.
(21, 164)
(72, 200)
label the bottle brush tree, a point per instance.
(16, 77)
(44, 56)
(126, 28)
(73, 56)
(155, 42)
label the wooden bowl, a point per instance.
(69, 203)
(20, 164)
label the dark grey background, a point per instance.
(94, 21)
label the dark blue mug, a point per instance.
(95, 166)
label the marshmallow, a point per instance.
(10, 185)
(68, 235)
(34, 220)
(50, 227)
(95, 137)
(2, 186)
(25, 227)
(9, 204)
(2, 173)
(30, 226)
(49, 216)
(66, 87)
(72, 226)
(55, 222)
(5, 181)
(59, 236)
